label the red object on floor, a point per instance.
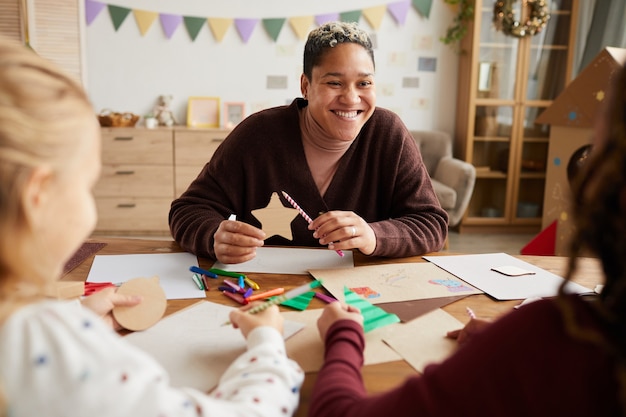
(544, 244)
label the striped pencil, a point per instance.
(303, 214)
(282, 298)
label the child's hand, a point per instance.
(102, 303)
(473, 327)
(337, 311)
(247, 322)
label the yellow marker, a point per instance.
(251, 283)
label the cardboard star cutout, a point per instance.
(275, 218)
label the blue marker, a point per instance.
(198, 270)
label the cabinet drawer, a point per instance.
(135, 181)
(185, 174)
(137, 146)
(195, 147)
(133, 214)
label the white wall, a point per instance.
(127, 72)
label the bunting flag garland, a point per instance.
(423, 7)
(219, 26)
(144, 20)
(325, 18)
(300, 25)
(245, 28)
(194, 25)
(399, 10)
(374, 16)
(351, 16)
(273, 27)
(118, 15)
(170, 23)
(92, 10)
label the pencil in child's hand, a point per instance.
(282, 298)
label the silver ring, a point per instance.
(353, 231)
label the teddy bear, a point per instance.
(162, 111)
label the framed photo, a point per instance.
(203, 112)
(233, 114)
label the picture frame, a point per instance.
(203, 112)
(234, 112)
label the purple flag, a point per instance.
(399, 10)
(92, 10)
(245, 28)
(325, 18)
(170, 23)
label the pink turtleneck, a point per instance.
(322, 151)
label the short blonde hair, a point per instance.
(40, 109)
(330, 35)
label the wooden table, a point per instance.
(377, 378)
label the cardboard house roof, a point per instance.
(578, 103)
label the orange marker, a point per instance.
(266, 294)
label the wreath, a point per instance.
(504, 18)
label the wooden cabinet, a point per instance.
(505, 83)
(136, 186)
(193, 149)
(143, 170)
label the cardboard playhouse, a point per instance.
(571, 117)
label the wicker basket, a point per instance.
(108, 118)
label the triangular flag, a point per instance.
(245, 27)
(374, 15)
(144, 20)
(118, 15)
(399, 10)
(219, 26)
(194, 25)
(352, 16)
(373, 317)
(423, 7)
(300, 25)
(92, 10)
(544, 244)
(320, 19)
(273, 27)
(169, 23)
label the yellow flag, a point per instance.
(144, 20)
(301, 25)
(219, 26)
(374, 15)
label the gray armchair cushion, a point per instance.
(445, 194)
(453, 179)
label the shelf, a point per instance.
(505, 83)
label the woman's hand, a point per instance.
(344, 230)
(247, 322)
(471, 329)
(337, 311)
(102, 303)
(236, 242)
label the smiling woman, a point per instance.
(334, 152)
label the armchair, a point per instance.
(453, 179)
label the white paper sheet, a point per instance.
(171, 268)
(276, 260)
(193, 346)
(476, 270)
